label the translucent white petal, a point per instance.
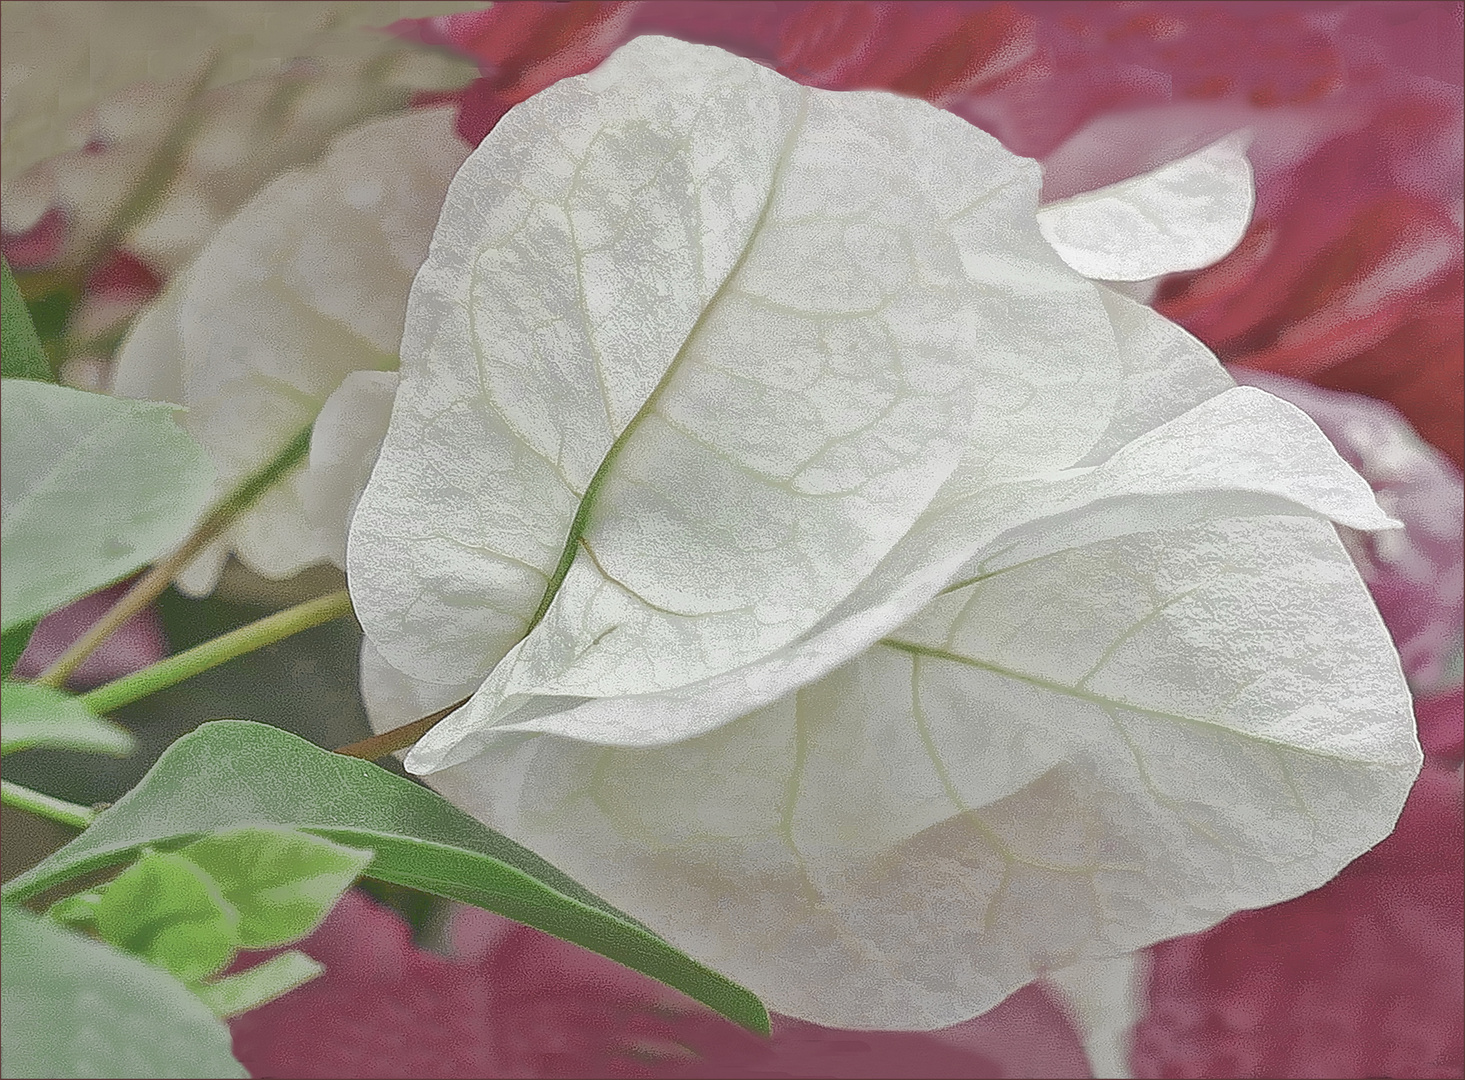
(694, 349)
(1242, 452)
(1181, 216)
(1104, 999)
(1067, 761)
(344, 445)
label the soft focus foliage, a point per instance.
(137, 643)
(76, 1007)
(40, 716)
(230, 775)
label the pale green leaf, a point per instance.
(167, 910)
(256, 986)
(93, 488)
(73, 1007)
(281, 882)
(13, 640)
(78, 911)
(229, 774)
(39, 716)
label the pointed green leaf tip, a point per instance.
(190, 910)
(21, 353)
(281, 882)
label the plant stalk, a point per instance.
(399, 738)
(212, 653)
(46, 806)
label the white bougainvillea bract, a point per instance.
(847, 588)
(298, 297)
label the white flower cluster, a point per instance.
(847, 584)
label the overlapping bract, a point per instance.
(1083, 667)
(298, 300)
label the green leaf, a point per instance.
(94, 487)
(79, 912)
(51, 312)
(231, 773)
(39, 716)
(281, 882)
(245, 990)
(166, 909)
(73, 1007)
(21, 354)
(13, 641)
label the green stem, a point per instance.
(46, 806)
(151, 585)
(212, 653)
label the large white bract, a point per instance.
(848, 589)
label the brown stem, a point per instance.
(399, 738)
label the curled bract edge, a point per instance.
(872, 605)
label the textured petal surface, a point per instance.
(1241, 451)
(1416, 574)
(1121, 735)
(306, 284)
(344, 445)
(1181, 216)
(684, 275)
(1070, 759)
